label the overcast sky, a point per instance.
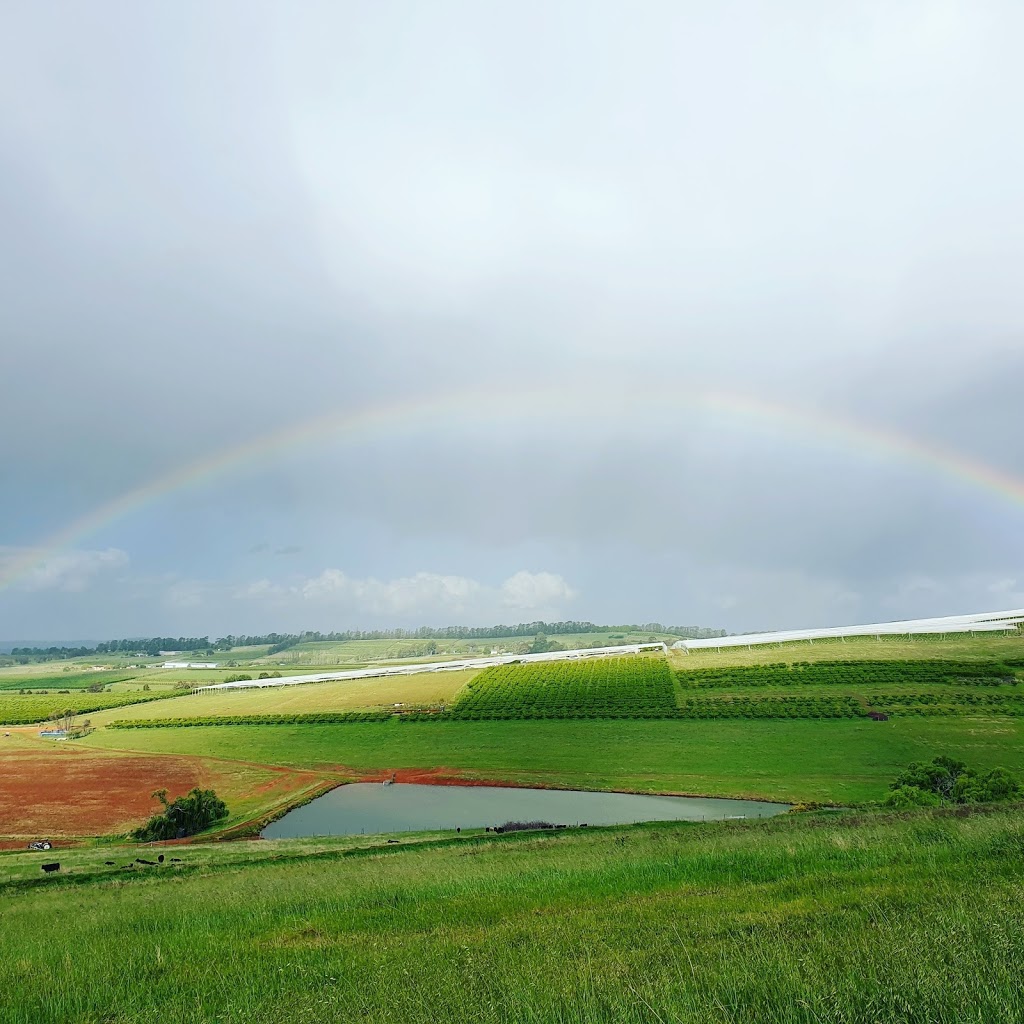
(574, 250)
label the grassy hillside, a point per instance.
(345, 652)
(829, 760)
(343, 695)
(916, 919)
(925, 647)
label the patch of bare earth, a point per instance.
(48, 793)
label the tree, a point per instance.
(911, 796)
(940, 776)
(947, 779)
(183, 817)
(997, 784)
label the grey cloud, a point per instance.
(71, 571)
(219, 223)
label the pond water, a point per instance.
(369, 807)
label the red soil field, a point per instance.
(69, 792)
(43, 795)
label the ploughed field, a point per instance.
(845, 917)
(73, 791)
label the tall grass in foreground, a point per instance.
(821, 919)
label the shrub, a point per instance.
(945, 778)
(184, 817)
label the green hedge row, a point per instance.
(772, 707)
(949, 704)
(973, 673)
(317, 718)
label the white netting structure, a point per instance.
(978, 622)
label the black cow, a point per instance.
(55, 866)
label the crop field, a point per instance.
(25, 708)
(972, 673)
(799, 920)
(51, 679)
(772, 707)
(851, 689)
(421, 689)
(616, 687)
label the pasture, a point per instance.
(835, 761)
(351, 653)
(986, 647)
(791, 921)
(425, 688)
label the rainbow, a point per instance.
(809, 426)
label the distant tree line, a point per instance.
(523, 629)
(152, 646)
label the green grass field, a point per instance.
(833, 761)
(915, 919)
(843, 916)
(344, 653)
(425, 688)
(982, 647)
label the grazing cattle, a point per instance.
(175, 860)
(149, 863)
(55, 866)
(109, 863)
(161, 858)
(392, 840)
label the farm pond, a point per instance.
(372, 808)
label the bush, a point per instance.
(184, 817)
(995, 785)
(911, 796)
(946, 778)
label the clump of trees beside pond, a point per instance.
(182, 817)
(947, 780)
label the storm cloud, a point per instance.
(663, 304)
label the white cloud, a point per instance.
(69, 571)
(421, 593)
(536, 590)
(427, 594)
